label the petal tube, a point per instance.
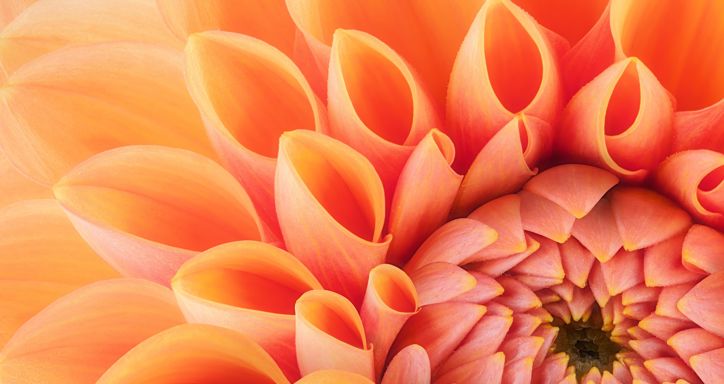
(248, 94)
(333, 376)
(326, 193)
(147, 209)
(41, 259)
(390, 299)
(410, 365)
(329, 335)
(703, 305)
(622, 121)
(424, 195)
(376, 104)
(702, 129)
(108, 95)
(491, 82)
(221, 287)
(702, 249)
(75, 339)
(16, 186)
(195, 353)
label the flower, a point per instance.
(316, 191)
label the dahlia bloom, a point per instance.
(321, 191)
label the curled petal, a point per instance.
(621, 120)
(329, 335)
(663, 327)
(195, 205)
(410, 365)
(702, 249)
(490, 82)
(331, 208)
(703, 304)
(545, 262)
(108, 95)
(16, 186)
(439, 282)
(195, 353)
(75, 339)
(552, 370)
(702, 129)
(486, 289)
(334, 376)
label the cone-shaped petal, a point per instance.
(41, 258)
(490, 82)
(544, 217)
(16, 186)
(108, 95)
(597, 231)
(410, 365)
(194, 204)
(439, 282)
(669, 298)
(621, 120)
(702, 129)
(221, 287)
(326, 193)
(195, 353)
(640, 294)
(424, 195)
(708, 365)
(389, 301)
(663, 264)
(75, 339)
(502, 215)
(334, 376)
(248, 94)
(703, 304)
(329, 335)
(702, 249)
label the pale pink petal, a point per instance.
(410, 365)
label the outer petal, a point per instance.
(483, 340)
(544, 217)
(597, 231)
(10, 9)
(439, 282)
(147, 209)
(16, 186)
(569, 18)
(708, 366)
(703, 249)
(502, 215)
(411, 365)
(221, 287)
(703, 304)
(333, 376)
(702, 129)
(248, 94)
(621, 120)
(487, 369)
(491, 82)
(75, 339)
(663, 264)
(41, 258)
(331, 209)
(329, 335)
(106, 96)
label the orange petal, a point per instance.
(663, 266)
(597, 284)
(640, 294)
(703, 304)
(329, 335)
(410, 365)
(333, 376)
(486, 369)
(439, 282)
(569, 18)
(390, 299)
(663, 327)
(577, 262)
(10, 9)
(195, 353)
(645, 218)
(41, 259)
(621, 121)
(694, 341)
(597, 231)
(490, 82)
(483, 340)
(552, 370)
(702, 249)
(669, 369)
(47, 26)
(518, 372)
(75, 339)
(147, 209)
(486, 289)
(668, 300)
(517, 296)
(623, 271)
(499, 266)
(426, 181)
(651, 348)
(708, 365)
(702, 129)
(108, 95)
(502, 166)
(220, 287)
(16, 186)
(549, 334)
(503, 216)
(580, 303)
(331, 209)
(546, 262)
(544, 217)
(688, 176)
(376, 104)
(524, 324)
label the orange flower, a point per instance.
(316, 191)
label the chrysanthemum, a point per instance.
(323, 191)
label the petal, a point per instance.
(410, 365)
(490, 82)
(439, 282)
(41, 259)
(329, 335)
(702, 129)
(147, 209)
(108, 95)
(195, 353)
(645, 218)
(708, 366)
(621, 121)
(670, 369)
(487, 369)
(11, 9)
(333, 376)
(499, 266)
(483, 340)
(623, 271)
(426, 181)
(16, 186)
(75, 339)
(577, 262)
(569, 18)
(486, 289)
(702, 249)
(580, 303)
(668, 300)
(663, 266)
(503, 216)
(220, 287)
(331, 209)
(703, 304)
(544, 217)
(552, 370)
(546, 262)
(641, 293)
(663, 327)
(597, 284)
(694, 341)
(517, 296)
(597, 231)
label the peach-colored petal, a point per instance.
(577, 261)
(524, 324)
(688, 176)
(486, 289)
(592, 376)
(548, 333)
(10, 9)
(580, 303)
(16, 186)
(560, 310)
(663, 264)
(621, 373)
(517, 296)
(703, 304)
(483, 340)
(221, 287)
(546, 262)
(329, 335)
(503, 216)
(391, 298)
(331, 208)
(41, 259)
(663, 327)
(703, 249)
(50, 25)
(498, 266)
(645, 218)
(423, 197)
(651, 348)
(669, 298)
(544, 217)
(504, 164)
(490, 82)
(564, 290)
(410, 365)
(75, 339)
(623, 271)
(670, 369)
(597, 231)
(147, 209)
(621, 120)
(486, 369)
(702, 129)
(640, 294)
(334, 376)
(552, 370)
(569, 18)
(248, 94)
(440, 282)
(708, 366)
(690, 342)
(597, 284)
(518, 372)
(195, 353)
(107, 95)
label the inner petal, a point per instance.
(624, 104)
